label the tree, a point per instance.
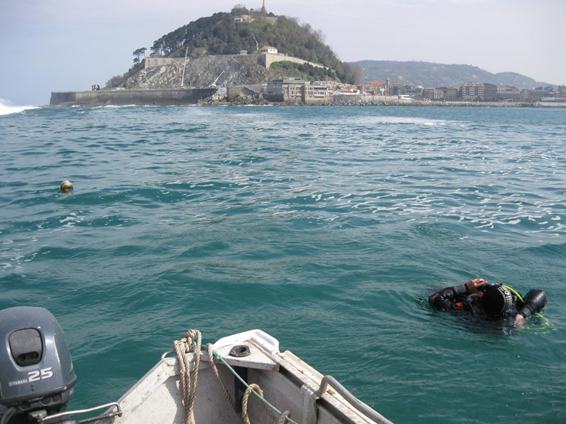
(240, 9)
(352, 73)
(115, 81)
(137, 53)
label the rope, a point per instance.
(188, 388)
(247, 393)
(215, 369)
(283, 417)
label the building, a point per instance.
(315, 92)
(484, 92)
(268, 49)
(294, 90)
(243, 19)
(414, 92)
(433, 94)
(508, 94)
(450, 93)
(348, 91)
(373, 88)
(396, 89)
(535, 95)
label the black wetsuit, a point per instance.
(458, 299)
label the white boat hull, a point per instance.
(289, 385)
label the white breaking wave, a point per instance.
(6, 108)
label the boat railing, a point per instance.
(328, 380)
(42, 419)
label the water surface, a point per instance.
(324, 226)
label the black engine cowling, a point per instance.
(36, 370)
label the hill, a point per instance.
(221, 70)
(242, 29)
(428, 74)
(214, 43)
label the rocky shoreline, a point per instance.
(219, 99)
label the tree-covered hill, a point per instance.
(229, 33)
(226, 34)
(428, 74)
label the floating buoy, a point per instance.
(66, 186)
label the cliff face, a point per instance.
(202, 72)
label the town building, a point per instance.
(508, 94)
(450, 93)
(373, 88)
(433, 94)
(535, 95)
(472, 91)
(348, 91)
(396, 89)
(414, 92)
(294, 90)
(268, 49)
(315, 92)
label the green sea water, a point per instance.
(326, 227)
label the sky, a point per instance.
(69, 45)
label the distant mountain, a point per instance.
(427, 74)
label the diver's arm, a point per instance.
(447, 299)
(474, 285)
(533, 302)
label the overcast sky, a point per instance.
(68, 45)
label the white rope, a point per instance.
(251, 388)
(188, 388)
(215, 369)
(247, 393)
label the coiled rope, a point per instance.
(188, 387)
(283, 417)
(252, 387)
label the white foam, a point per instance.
(6, 108)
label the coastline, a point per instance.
(163, 97)
(212, 97)
(258, 100)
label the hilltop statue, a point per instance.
(264, 9)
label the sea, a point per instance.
(326, 227)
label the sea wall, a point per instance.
(266, 59)
(131, 97)
(152, 62)
(234, 91)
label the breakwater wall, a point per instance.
(244, 90)
(266, 59)
(131, 97)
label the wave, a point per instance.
(7, 109)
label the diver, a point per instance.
(485, 301)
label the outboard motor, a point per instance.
(36, 370)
